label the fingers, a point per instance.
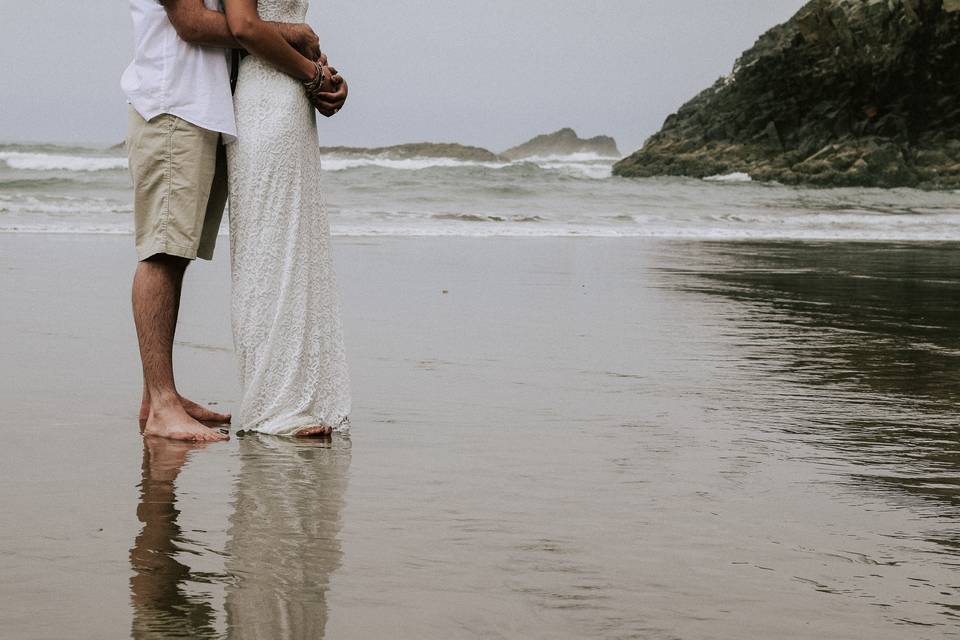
(334, 91)
(336, 98)
(326, 107)
(339, 94)
(326, 103)
(306, 42)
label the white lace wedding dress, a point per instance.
(285, 307)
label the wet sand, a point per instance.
(553, 438)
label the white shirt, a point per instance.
(168, 75)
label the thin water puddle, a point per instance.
(581, 438)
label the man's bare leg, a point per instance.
(156, 304)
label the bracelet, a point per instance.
(317, 82)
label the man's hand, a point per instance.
(332, 94)
(302, 38)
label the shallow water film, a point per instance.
(553, 438)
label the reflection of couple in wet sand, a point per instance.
(282, 543)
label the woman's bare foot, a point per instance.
(320, 431)
(174, 423)
(194, 410)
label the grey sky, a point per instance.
(488, 73)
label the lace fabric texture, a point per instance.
(285, 303)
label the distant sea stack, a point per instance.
(418, 150)
(561, 143)
(846, 93)
(564, 142)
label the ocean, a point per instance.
(74, 189)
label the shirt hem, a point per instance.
(229, 134)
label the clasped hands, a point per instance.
(330, 96)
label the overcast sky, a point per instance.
(491, 73)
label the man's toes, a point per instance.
(214, 436)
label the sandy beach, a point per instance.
(677, 358)
(553, 438)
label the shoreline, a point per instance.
(733, 239)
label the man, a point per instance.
(181, 112)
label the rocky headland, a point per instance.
(564, 142)
(846, 93)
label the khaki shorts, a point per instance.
(180, 186)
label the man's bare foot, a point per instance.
(194, 410)
(314, 432)
(174, 423)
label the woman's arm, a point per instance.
(198, 25)
(263, 40)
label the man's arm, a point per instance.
(198, 25)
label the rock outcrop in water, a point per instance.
(563, 143)
(846, 93)
(418, 150)
(560, 143)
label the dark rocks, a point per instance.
(846, 93)
(563, 143)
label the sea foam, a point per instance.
(343, 163)
(730, 177)
(50, 162)
(582, 165)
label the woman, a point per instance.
(285, 308)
